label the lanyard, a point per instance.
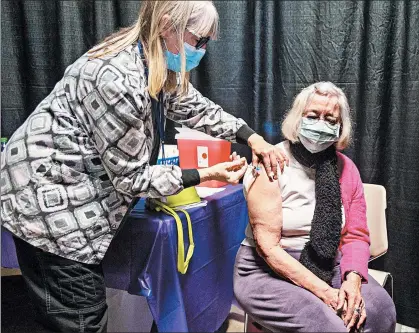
(182, 262)
(156, 106)
(160, 125)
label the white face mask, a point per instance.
(317, 135)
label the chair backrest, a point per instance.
(375, 197)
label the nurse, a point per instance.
(70, 171)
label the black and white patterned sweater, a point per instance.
(69, 172)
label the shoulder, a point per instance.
(285, 147)
(249, 176)
(124, 66)
(113, 77)
(346, 165)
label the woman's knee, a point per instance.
(381, 311)
(241, 294)
(305, 313)
(320, 319)
(301, 312)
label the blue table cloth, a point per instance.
(8, 250)
(142, 259)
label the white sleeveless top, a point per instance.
(298, 202)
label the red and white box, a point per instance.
(198, 150)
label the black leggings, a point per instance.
(68, 296)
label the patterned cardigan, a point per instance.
(69, 172)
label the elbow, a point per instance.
(355, 234)
(122, 187)
(264, 251)
(266, 243)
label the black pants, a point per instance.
(68, 296)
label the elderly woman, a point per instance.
(304, 263)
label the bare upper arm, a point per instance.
(265, 210)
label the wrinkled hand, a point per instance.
(350, 293)
(229, 172)
(269, 155)
(331, 298)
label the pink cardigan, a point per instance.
(355, 240)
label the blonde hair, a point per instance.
(291, 123)
(199, 17)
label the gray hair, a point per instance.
(291, 123)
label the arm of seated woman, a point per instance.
(265, 214)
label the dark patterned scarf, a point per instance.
(320, 251)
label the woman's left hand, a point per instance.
(269, 155)
(350, 292)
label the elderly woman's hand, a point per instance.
(350, 292)
(269, 155)
(330, 297)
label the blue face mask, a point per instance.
(317, 135)
(193, 57)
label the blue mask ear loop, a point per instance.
(161, 109)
